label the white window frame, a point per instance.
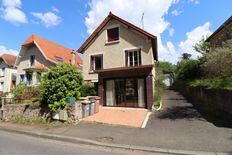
(95, 54)
(132, 49)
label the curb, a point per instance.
(121, 146)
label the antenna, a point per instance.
(142, 20)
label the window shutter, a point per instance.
(126, 58)
(139, 57)
(91, 63)
(102, 61)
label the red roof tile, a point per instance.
(9, 59)
(53, 50)
(105, 21)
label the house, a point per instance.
(7, 72)
(118, 58)
(37, 55)
(222, 34)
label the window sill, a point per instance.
(112, 42)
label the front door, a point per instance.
(125, 92)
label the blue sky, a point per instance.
(178, 24)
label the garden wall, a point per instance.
(218, 101)
(25, 110)
(31, 111)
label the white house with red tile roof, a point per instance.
(7, 72)
(37, 55)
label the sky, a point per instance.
(178, 24)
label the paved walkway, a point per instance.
(178, 126)
(119, 116)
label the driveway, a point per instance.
(181, 125)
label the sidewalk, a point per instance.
(178, 128)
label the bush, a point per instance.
(187, 69)
(23, 92)
(216, 82)
(87, 90)
(60, 82)
(219, 61)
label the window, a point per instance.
(133, 57)
(32, 60)
(59, 59)
(29, 78)
(1, 86)
(3, 72)
(112, 34)
(22, 78)
(96, 62)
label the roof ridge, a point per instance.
(105, 21)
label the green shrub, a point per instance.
(18, 91)
(216, 82)
(23, 92)
(60, 82)
(87, 90)
(218, 62)
(187, 69)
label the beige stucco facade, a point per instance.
(6, 77)
(114, 54)
(23, 61)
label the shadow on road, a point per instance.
(178, 106)
(180, 112)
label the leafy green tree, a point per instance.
(187, 69)
(219, 61)
(165, 67)
(202, 46)
(186, 56)
(61, 82)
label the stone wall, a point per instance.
(74, 111)
(217, 101)
(25, 110)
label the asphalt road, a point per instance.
(13, 144)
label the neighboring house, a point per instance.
(222, 34)
(168, 79)
(7, 72)
(37, 55)
(118, 57)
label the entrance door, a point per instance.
(125, 93)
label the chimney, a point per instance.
(73, 59)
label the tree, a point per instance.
(61, 82)
(219, 61)
(186, 56)
(165, 67)
(202, 46)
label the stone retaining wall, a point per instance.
(217, 101)
(25, 110)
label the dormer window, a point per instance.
(32, 60)
(113, 34)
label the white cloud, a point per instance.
(193, 37)
(194, 1)
(48, 19)
(3, 50)
(12, 12)
(176, 12)
(154, 11)
(171, 31)
(54, 9)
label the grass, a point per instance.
(217, 82)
